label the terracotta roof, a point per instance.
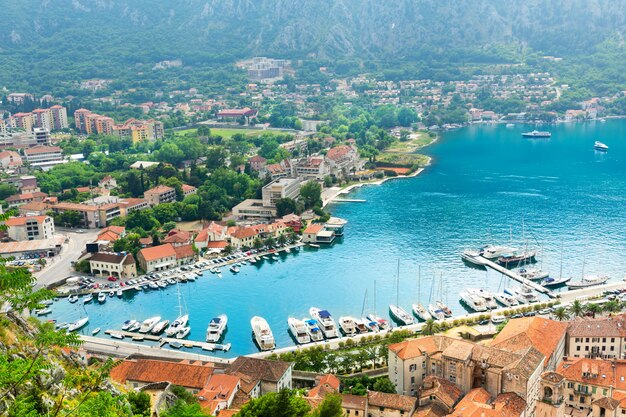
(219, 389)
(34, 206)
(353, 401)
(184, 251)
(112, 258)
(551, 376)
(148, 370)
(608, 403)
(187, 188)
(314, 228)
(265, 370)
(393, 401)
(327, 384)
(177, 238)
(157, 252)
(132, 202)
(595, 372)
(248, 382)
(430, 410)
(75, 207)
(257, 158)
(217, 244)
(600, 327)
(42, 149)
(444, 390)
(414, 348)
(159, 189)
(21, 221)
(338, 152)
(26, 196)
(243, 232)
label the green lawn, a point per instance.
(418, 140)
(223, 132)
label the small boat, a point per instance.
(111, 293)
(436, 312)
(313, 329)
(473, 257)
(588, 281)
(492, 252)
(78, 324)
(88, 298)
(128, 324)
(257, 258)
(102, 298)
(153, 285)
(298, 330)
(162, 284)
(120, 293)
(524, 294)
(183, 332)
(474, 302)
(515, 258)
(314, 245)
(510, 125)
(361, 327)
(72, 298)
(536, 134)
(252, 260)
(135, 327)
(532, 274)
(160, 326)
(443, 307)
(486, 296)
(61, 326)
(180, 322)
(234, 269)
(276, 257)
(216, 327)
(117, 335)
(176, 345)
(95, 331)
(219, 275)
(326, 322)
(43, 311)
(506, 299)
(148, 324)
(262, 333)
(555, 282)
(382, 323)
(420, 312)
(400, 314)
(347, 325)
(371, 325)
(599, 146)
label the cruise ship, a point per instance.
(400, 314)
(298, 330)
(149, 324)
(588, 281)
(262, 333)
(347, 325)
(216, 328)
(474, 302)
(313, 329)
(536, 134)
(326, 322)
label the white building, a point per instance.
(30, 228)
(280, 188)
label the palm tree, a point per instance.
(612, 306)
(257, 243)
(560, 313)
(430, 327)
(594, 309)
(577, 309)
(282, 239)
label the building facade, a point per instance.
(30, 228)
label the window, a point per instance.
(604, 340)
(412, 380)
(578, 348)
(582, 399)
(571, 397)
(412, 368)
(587, 340)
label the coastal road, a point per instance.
(60, 266)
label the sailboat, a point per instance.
(371, 325)
(442, 306)
(181, 322)
(549, 282)
(398, 312)
(382, 323)
(433, 309)
(587, 280)
(418, 309)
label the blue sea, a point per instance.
(486, 184)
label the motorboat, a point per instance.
(473, 301)
(135, 327)
(43, 311)
(153, 285)
(489, 300)
(326, 322)
(120, 293)
(234, 269)
(183, 332)
(443, 307)
(532, 274)
(525, 294)
(371, 325)
(111, 293)
(181, 321)
(160, 326)
(473, 257)
(555, 282)
(61, 326)
(588, 281)
(313, 329)
(435, 312)
(262, 333)
(298, 330)
(347, 325)
(117, 335)
(95, 331)
(149, 324)
(506, 299)
(382, 323)
(88, 298)
(400, 314)
(493, 252)
(175, 344)
(78, 324)
(420, 312)
(216, 328)
(128, 324)
(515, 258)
(536, 134)
(102, 297)
(361, 327)
(72, 298)
(599, 146)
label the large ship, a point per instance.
(262, 333)
(536, 134)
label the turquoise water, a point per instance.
(486, 184)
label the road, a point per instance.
(60, 266)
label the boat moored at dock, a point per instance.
(325, 321)
(532, 274)
(473, 301)
(160, 326)
(313, 330)
(298, 330)
(149, 324)
(436, 312)
(216, 328)
(347, 325)
(262, 333)
(555, 282)
(420, 312)
(399, 314)
(588, 281)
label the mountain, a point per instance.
(104, 36)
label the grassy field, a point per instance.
(416, 141)
(223, 132)
(402, 159)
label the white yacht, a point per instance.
(148, 324)
(588, 281)
(326, 322)
(421, 312)
(160, 326)
(473, 301)
(506, 300)
(235, 269)
(313, 329)
(372, 325)
(216, 327)
(489, 300)
(135, 327)
(473, 257)
(347, 325)
(493, 252)
(78, 324)
(444, 308)
(72, 298)
(88, 298)
(298, 330)
(599, 146)
(183, 332)
(436, 312)
(360, 325)
(532, 274)
(400, 314)
(120, 293)
(102, 297)
(180, 322)
(382, 323)
(128, 324)
(262, 333)
(524, 294)
(43, 311)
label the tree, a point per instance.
(612, 306)
(282, 404)
(383, 384)
(257, 243)
(311, 193)
(406, 117)
(430, 327)
(285, 206)
(561, 313)
(139, 403)
(330, 407)
(282, 239)
(165, 212)
(577, 309)
(168, 226)
(593, 309)
(7, 190)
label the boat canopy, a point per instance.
(324, 314)
(311, 322)
(215, 320)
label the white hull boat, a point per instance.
(489, 300)
(149, 324)
(313, 329)
(506, 299)
(421, 312)
(181, 321)
(400, 314)
(298, 330)
(158, 329)
(435, 312)
(588, 281)
(262, 333)
(325, 321)
(78, 324)
(216, 328)
(347, 325)
(183, 332)
(473, 301)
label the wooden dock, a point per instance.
(499, 268)
(140, 337)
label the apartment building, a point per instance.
(280, 188)
(91, 216)
(91, 123)
(59, 117)
(314, 167)
(44, 155)
(105, 264)
(128, 205)
(43, 119)
(159, 195)
(140, 130)
(17, 138)
(342, 159)
(157, 258)
(597, 338)
(30, 228)
(24, 121)
(25, 198)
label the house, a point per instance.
(352, 405)
(20, 199)
(546, 336)
(34, 208)
(189, 190)
(157, 258)
(108, 182)
(603, 337)
(257, 162)
(159, 195)
(242, 237)
(313, 167)
(478, 403)
(184, 254)
(214, 232)
(128, 205)
(273, 375)
(219, 393)
(104, 264)
(381, 404)
(10, 160)
(316, 233)
(439, 393)
(293, 221)
(341, 159)
(177, 237)
(111, 234)
(30, 228)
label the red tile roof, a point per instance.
(148, 370)
(21, 221)
(42, 149)
(338, 152)
(184, 251)
(158, 252)
(392, 401)
(314, 228)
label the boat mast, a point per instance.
(180, 307)
(398, 283)
(419, 270)
(363, 307)
(374, 297)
